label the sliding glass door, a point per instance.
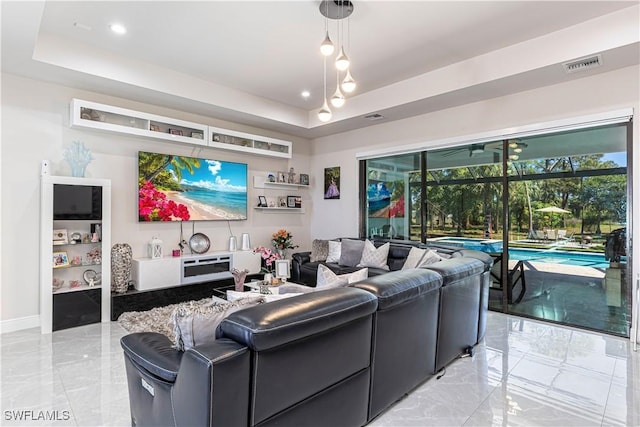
(551, 210)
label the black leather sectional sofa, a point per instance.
(304, 271)
(332, 357)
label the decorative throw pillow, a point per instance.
(429, 257)
(351, 252)
(294, 288)
(319, 250)
(335, 249)
(197, 325)
(374, 257)
(328, 279)
(414, 258)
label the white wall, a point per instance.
(35, 126)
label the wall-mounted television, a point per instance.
(180, 188)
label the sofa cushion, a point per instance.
(197, 325)
(374, 257)
(319, 250)
(294, 288)
(429, 257)
(335, 250)
(398, 287)
(328, 279)
(414, 257)
(351, 252)
(455, 269)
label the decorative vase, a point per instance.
(238, 278)
(281, 253)
(78, 157)
(268, 277)
(121, 256)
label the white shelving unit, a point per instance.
(279, 209)
(92, 115)
(87, 114)
(249, 143)
(78, 251)
(261, 182)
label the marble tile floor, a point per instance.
(524, 372)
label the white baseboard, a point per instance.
(12, 325)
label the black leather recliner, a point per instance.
(298, 361)
(405, 333)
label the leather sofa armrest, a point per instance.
(154, 353)
(212, 387)
(267, 326)
(297, 259)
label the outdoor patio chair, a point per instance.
(551, 234)
(514, 276)
(562, 234)
(540, 235)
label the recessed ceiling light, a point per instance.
(82, 26)
(305, 94)
(118, 28)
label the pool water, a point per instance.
(553, 256)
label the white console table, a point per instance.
(158, 273)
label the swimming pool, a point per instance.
(553, 255)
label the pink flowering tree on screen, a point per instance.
(153, 205)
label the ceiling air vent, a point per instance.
(374, 116)
(583, 64)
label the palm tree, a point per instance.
(159, 162)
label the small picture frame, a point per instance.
(60, 237)
(262, 202)
(175, 132)
(282, 176)
(283, 269)
(294, 202)
(154, 128)
(283, 201)
(304, 179)
(197, 135)
(60, 259)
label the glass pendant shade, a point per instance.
(325, 113)
(337, 100)
(326, 48)
(348, 84)
(342, 61)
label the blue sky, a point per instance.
(217, 175)
(619, 158)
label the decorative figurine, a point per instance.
(78, 157)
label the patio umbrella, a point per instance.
(553, 209)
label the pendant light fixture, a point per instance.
(325, 113)
(337, 100)
(348, 84)
(336, 10)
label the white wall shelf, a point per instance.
(261, 182)
(70, 273)
(249, 143)
(87, 114)
(279, 210)
(92, 115)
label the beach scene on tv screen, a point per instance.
(179, 188)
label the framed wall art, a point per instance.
(60, 259)
(332, 182)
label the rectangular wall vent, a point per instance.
(374, 116)
(583, 64)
